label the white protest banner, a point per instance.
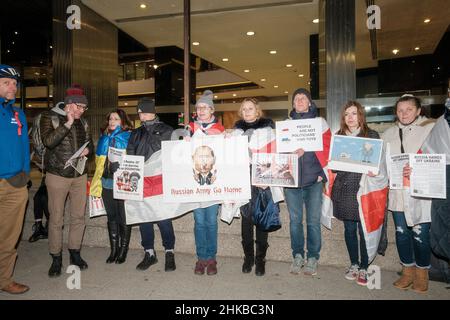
(275, 170)
(355, 154)
(428, 176)
(396, 163)
(205, 169)
(299, 134)
(129, 179)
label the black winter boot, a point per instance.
(170, 262)
(75, 259)
(113, 232)
(260, 260)
(147, 261)
(39, 232)
(55, 268)
(125, 235)
(249, 259)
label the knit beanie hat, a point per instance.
(75, 94)
(301, 91)
(206, 98)
(146, 105)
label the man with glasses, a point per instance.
(64, 132)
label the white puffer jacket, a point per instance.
(416, 210)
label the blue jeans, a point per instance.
(205, 231)
(148, 234)
(413, 244)
(351, 240)
(312, 198)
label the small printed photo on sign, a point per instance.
(355, 154)
(129, 179)
(274, 170)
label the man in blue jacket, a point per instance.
(14, 175)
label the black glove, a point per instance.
(113, 166)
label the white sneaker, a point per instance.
(297, 264)
(351, 273)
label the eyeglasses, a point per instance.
(202, 108)
(81, 107)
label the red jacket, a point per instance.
(211, 129)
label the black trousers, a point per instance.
(40, 200)
(247, 229)
(115, 209)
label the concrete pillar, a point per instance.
(86, 56)
(340, 57)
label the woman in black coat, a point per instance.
(250, 114)
(344, 192)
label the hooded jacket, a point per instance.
(62, 143)
(14, 143)
(309, 167)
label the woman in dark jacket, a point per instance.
(345, 189)
(250, 114)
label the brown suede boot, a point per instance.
(420, 284)
(407, 278)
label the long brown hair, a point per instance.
(361, 119)
(125, 121)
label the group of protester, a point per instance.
(64, 131)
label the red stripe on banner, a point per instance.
(323, 155)
(331, 177)
(268, 148)
(373, 207)
(153, 186)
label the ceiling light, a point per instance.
(234, 95)
(316, 21)
(301, 75)
(155, 66)
(216, 97)
(427, 20)
(29, 105)
(195, 43)
(16, 33)
(126, 103)
(367, 109)
(273, 52)
(51, 47)
(289, 65)
(275, 86)
(417, 48)
(395, 51)
(250, 33)
(225, 59)
(246, 71)
(263, 80)
(286, 92)
(143, 6)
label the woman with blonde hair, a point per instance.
(250, 114)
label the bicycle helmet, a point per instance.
(8, 72)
